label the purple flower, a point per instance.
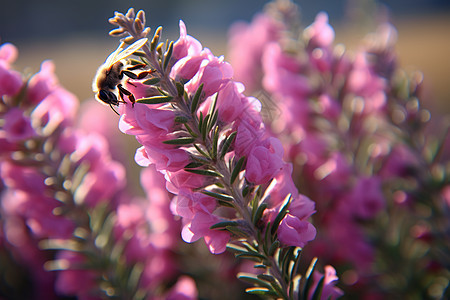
(295, 232)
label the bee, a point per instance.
(110, 75)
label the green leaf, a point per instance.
(261, 266)
(135, 276)
(155, 39)
(281, 214)
(180, 141)
(259, 212)
(260, 291)
(309, 279)
(252, 254)
(155, 99)
(252, 279)
(191, 132)
(204, 129)
(225, 203)
(237, 231)
(152, 81)
(180, 88)
(294, 266)
(237, 169)
(266, 277)
(201, 151)
(181, 119)
(196, 98)
(318, 291)
(168, 55)
(236, 248)
(224, 224)
(193, 165)
(227, 143)
(204, 172)
(275, 245)
(222, 197)
(214, 143)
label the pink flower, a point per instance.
(101, 183)
(249, 133)
(213, 73)
(367, 197)
(363, 81)
(320, 33)
(282, 74)
(246, 47)
(199, 226)
(182, 179)
(17, 126)
(329, 290)
(8, 53)
(295, 232)
(186, 45)
(146, 119)
(264, 161)
(185, 68)
(43, 83)
(59, 107)
(75, 280)
(10, 80)
(302, 207)
(281, 186)
(187, 203)
(184, 289)
(89, 148)
(22, 178)
(163, 158)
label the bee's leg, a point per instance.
(135, 67)
(144, 74)
(123, 91)
(129, 74)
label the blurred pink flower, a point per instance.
(75, 280)
(43, 83)
(184, 289)
(320, 33)
(10, 80)
(366, 198)
(17, 126)
(246, 46)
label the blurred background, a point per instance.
(74, 34)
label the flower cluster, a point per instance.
(353, 127)
(65, 214)
(197, 128)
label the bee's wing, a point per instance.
(119, 55)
